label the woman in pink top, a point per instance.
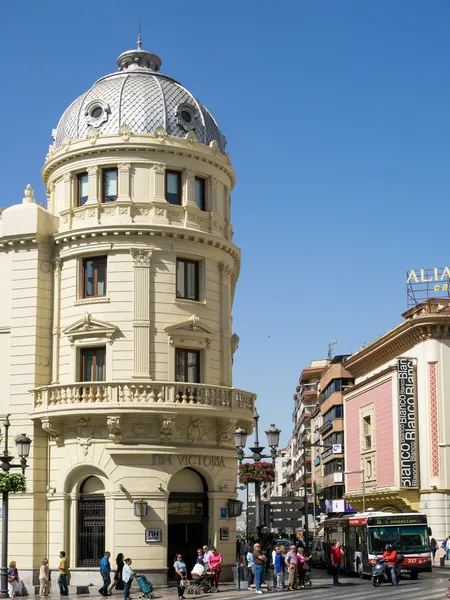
(215, 562)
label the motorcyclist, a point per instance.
(390, 556)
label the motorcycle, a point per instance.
(380, 574)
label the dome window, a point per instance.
(186, 116)
(97, 113)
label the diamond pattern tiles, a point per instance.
(142, 105)
(141, 100)
(434, 420)
(69, 122)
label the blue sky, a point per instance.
(337, 118)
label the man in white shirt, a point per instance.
(127, 578)
(206, 554)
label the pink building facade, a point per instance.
(397, 421)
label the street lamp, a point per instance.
(363, 485)
(23, 444)
(240, 440)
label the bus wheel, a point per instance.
(414, 575)
(359, 569)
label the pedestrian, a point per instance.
(280, 569)
(447, 548)
(336, 561)
(118, 581)
(180, 575)
(250, 571)
(105, 572)
(44, 579)
(127, 578)
(206, 555)
(433, 547)
(15, 584)
(292, 565)
(215, 565)
(302, 566)
(63, 574)
(259, 563)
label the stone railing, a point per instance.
(117, 393)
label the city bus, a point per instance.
(365, 535)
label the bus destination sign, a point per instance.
(397, 520)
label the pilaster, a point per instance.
(141, 314)
(56, 329)
(93, 191)
(159, 180)
(189, 185)
(68, 184)
(225, 332)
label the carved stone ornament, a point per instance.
(125, 132)
(225, 437)
(84, 432)
(67, 141)
(160, 169)
(191, 138)
(190, 329)
(141, 257)
(56, 266)
(88, 327)
(92, 135)
(214, 146)
(124, 167)
(226, 270)
(160, 133)
(93, 170)
(167, 427)
(196, 432)
(115, 429)
(54, 432)
(234, 344)
(141, 429)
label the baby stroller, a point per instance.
(201, 583)
(145, 586)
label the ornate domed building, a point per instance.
(116, 340)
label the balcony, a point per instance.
(52, 400)
(327, 426)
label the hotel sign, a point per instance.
(409, 471)
(425, 284)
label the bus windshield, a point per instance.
(405, 538)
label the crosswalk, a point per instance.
(423, 589)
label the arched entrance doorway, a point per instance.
(188, 516)
(91, 523)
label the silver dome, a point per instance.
(140, 97)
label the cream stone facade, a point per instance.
(124, 385)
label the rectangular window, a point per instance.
(82, 188)
(93, 364)
(94, 276)
(109, 185)
(200, 195)
(173, 187)
(188, 272)
(187, 365)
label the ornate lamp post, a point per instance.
(23, 444)
(240, 440)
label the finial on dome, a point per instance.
(139, 40)
(29, 195)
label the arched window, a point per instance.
(91, 522)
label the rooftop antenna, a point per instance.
(139, 40)
(331, 349)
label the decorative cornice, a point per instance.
(397, 341)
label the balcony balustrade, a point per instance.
(92, 395)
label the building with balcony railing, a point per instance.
(116, 334)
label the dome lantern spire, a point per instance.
(139, 60)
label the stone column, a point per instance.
(56, 329)
(225, 329)
(159, 188)
(124, 170)
(67, 179)
(141, 316)
(190, 188)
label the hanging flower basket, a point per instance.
(258, 472)
(13, 483)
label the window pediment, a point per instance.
(89, 330)
(190, 331)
